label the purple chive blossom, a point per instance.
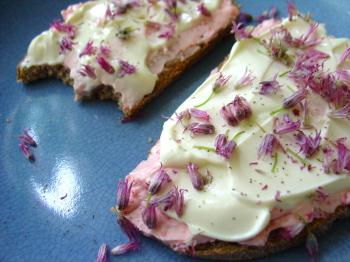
(227, 112)
(27, 139)
(65, 44)
(343, 112)
(241, 108)
(195, 176)
(271, 14)
(268, 146)
(246, 79)
(105, 65)
(184, 115)
(220, 82)
(292, 10)
(344, 57)
(312, 246)
(278, 196)
(126, 68)
(308, 144)
(124, 248)
(123, 194)
(269, 87)
(63, 28)
(149, 216)
(342, 162)
(199, 114)
(308, 64)
(223, 147)
(26, 152)
(89, 49)
(158, 181)
(286, 125)
(87, 70)
(308, 39)
(244, 18)
(105, 50)
(168, 32)
(170, 9)
(179, 201)
(102, 255)
(240, 31)
(203, 10)
(295, 98)
(174, 199)
(201, 129)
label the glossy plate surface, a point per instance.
(58, 209)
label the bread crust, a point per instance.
(172, 70)
(220, 250)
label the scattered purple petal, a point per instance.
(221, 82)
(105, 50)
(223, 147)
(65, 44)
(271, 14)
(278, 196)
(246, 79)
(174, 199)
(160, 178)
(240, 31)
(199, 114)
(268, 146)
(64, 28)
(105, 65)
(342, 162)
(87, 70)
(241, 107)
(195, 176)
(123, 194)
(201, 129)
(203, 10)
(308, 39)
(149, 216)
(295, 98)
(124, 248)
(27, 139)
(102, 255)
(89, 49)
(227, 112)
(286, 125)
(126, 68)
(269, 87)
(309, 145)
(128, 228)
(168, 32)
(26, 152)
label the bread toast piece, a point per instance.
(172, 69)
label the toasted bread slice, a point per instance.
(172, 68)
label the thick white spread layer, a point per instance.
(236, 205)
(145, 45)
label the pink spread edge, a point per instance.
(176, 234)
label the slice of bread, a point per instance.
(171, 71)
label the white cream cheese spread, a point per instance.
(126, 44)
(236, 204)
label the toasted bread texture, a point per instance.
(172, 70)
(232, 251)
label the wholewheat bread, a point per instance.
(172, 70)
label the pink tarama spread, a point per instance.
(176, 233)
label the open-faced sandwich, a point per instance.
(126, 50)
(257, 159)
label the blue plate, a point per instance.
(58, 209)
